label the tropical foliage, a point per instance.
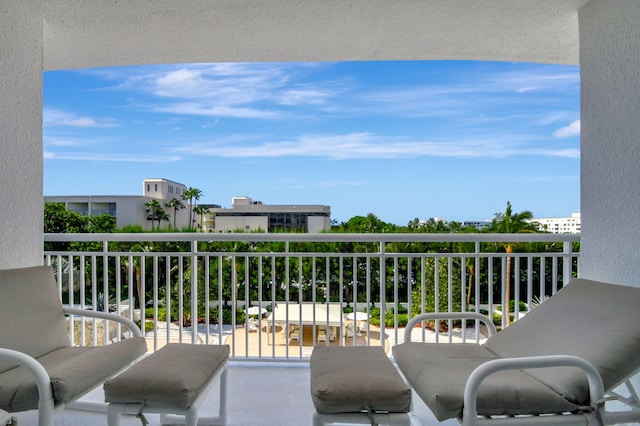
(425, 276)
(176, 205)
(189, 195)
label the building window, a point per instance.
(148, 187)
(156, 186)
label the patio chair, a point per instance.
(333, 334)
(322, 334)
(349, 332)
(6, 419)
(294, 334)
(552, 367)
(39, 369)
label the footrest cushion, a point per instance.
(353, 379)
(172, 377)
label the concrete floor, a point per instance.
(259, 393)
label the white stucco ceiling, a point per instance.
(90, 33)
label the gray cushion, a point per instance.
(438, 372)
(349, 379)
(31, 314)
(589, 319)
(172, 377)
(73, 372)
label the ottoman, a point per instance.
(172, 380)
(359, 385)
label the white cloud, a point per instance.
(365, 145)
(236, 90)
(571, 130)
(128, 158)
(202, 109)
(305, 96)
(527, 80)
(56, 117)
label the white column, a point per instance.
(610, 140)
(21, 201)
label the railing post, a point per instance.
(194, 291)
(566, 262)
(383, 288)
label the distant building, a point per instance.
(162, 189)
(129, 209)
(479, 224)
(555, 225)
(244, 215)
(559, 225)
(248, 215)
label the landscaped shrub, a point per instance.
(162, 313)
(227, 315)
(389, 318)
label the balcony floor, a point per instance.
(259, 393)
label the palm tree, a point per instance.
(163, 216)
(176, 205)
(191, 194)
(200, 210)
(155, 210)
(511, 223)
(136, 264)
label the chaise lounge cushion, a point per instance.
(73, 372)
(438, 373)
(348, 379)
(34, 322)
(174, 376)
(595, 321)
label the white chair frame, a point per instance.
(46, 406)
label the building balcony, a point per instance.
(253, 291)
(274, 297)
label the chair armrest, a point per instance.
(596, 387)
(491, 328)
(42, 379)
(135, 330)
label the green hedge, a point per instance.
(389, 318)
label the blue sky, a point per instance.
(448, 139)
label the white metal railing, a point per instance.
(197, 287)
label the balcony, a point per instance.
(252, 291)
(256, 291)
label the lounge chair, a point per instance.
(553, 366)
(294, 334)
(333, 334)
(322, 334)
(349, 330)
(39, 369)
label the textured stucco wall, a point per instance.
(610, 138)
(20, 137)
(91, 33)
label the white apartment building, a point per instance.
(248, 215)
(555, 225)
(560, 225)
(129, 209)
